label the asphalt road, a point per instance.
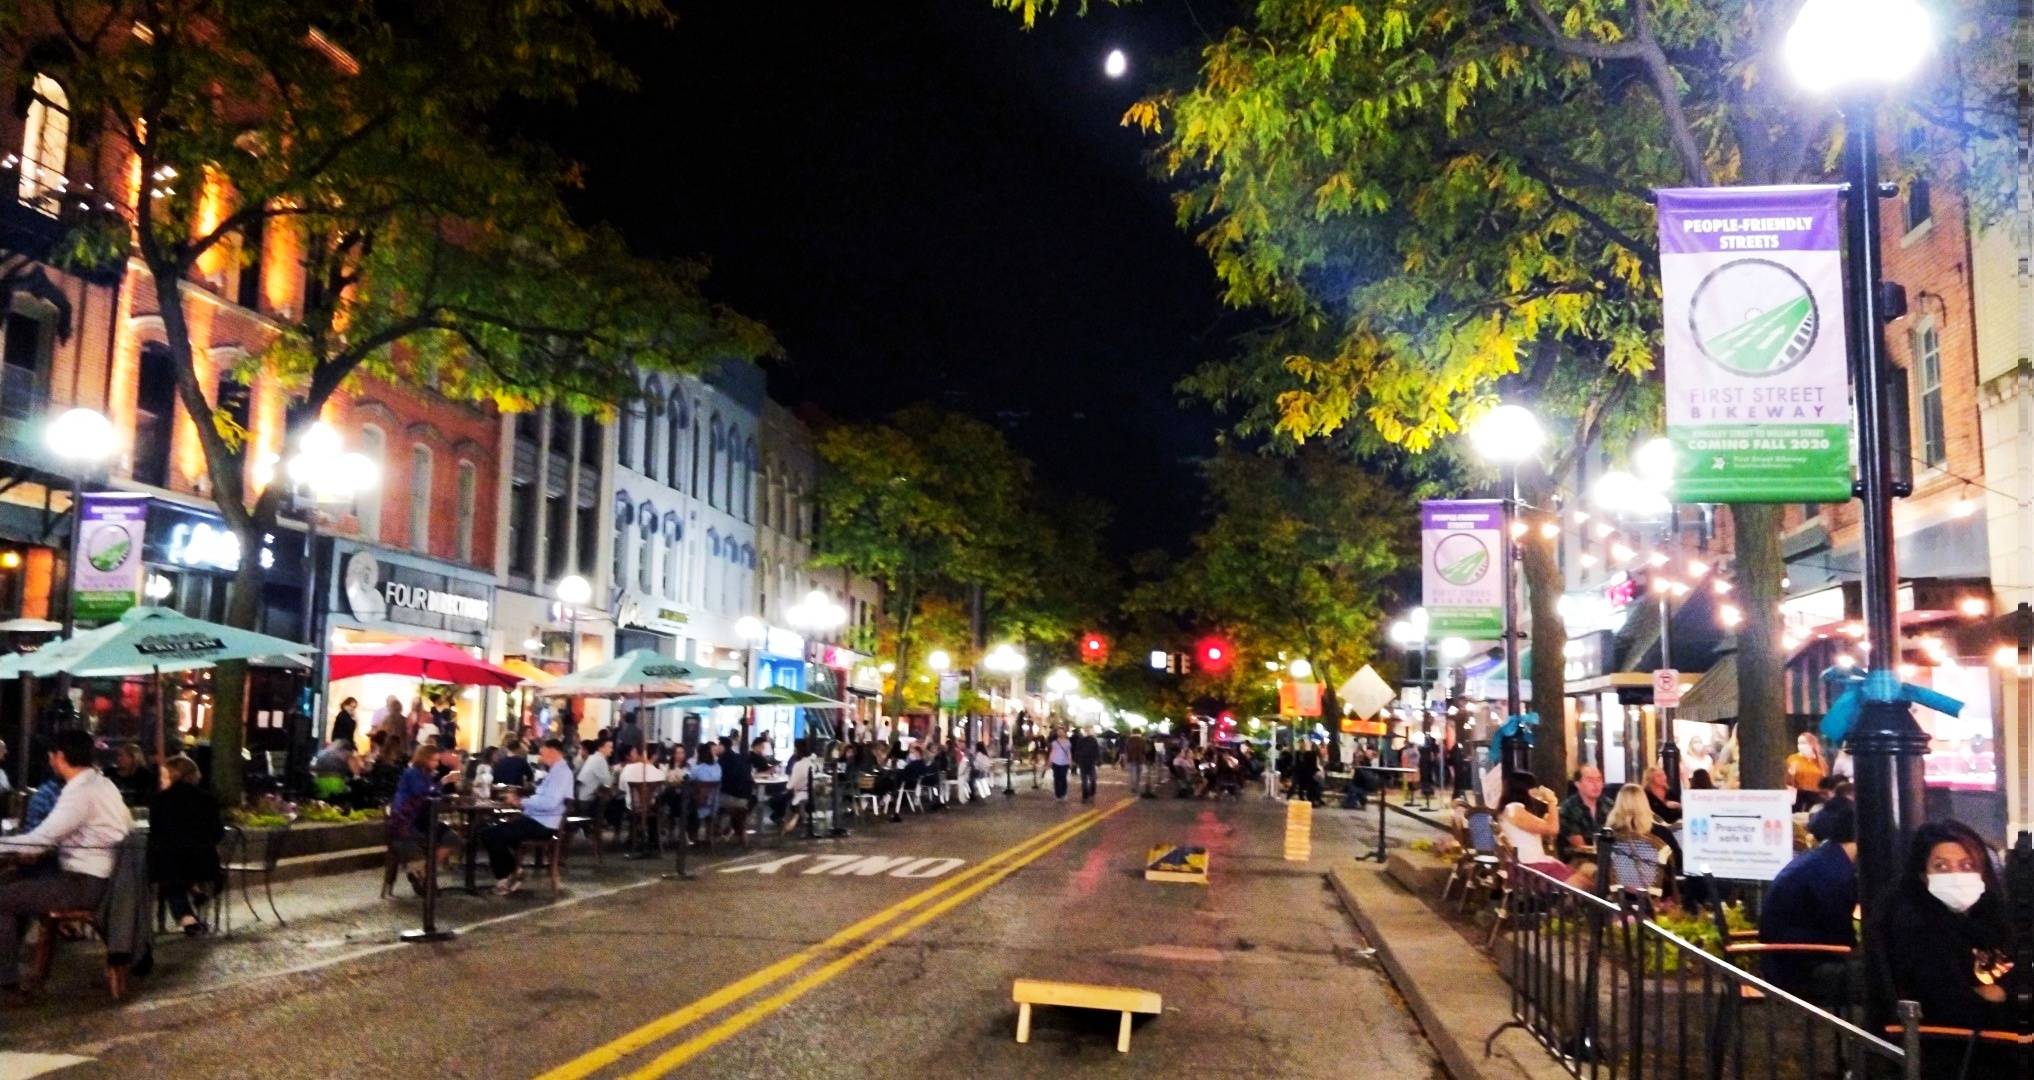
(889, 954)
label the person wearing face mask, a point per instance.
(1805, 769)
(1949, 918)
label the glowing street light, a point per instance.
(1116, 64)
(1509, 435)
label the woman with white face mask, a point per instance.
(1948, 933)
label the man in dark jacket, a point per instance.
(1087, 757)
(1811, 902)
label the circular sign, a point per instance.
(108, 547)
(1461, 559)
(1754, 317)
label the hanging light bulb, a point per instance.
(1622, 552)
(1697, 568)
(1721, 586)
(1550, 530)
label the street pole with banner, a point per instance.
(1770, 331)
(1466, 582)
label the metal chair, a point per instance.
(246, 867)
(1636, 870)
(1479, 865)
(865, 795)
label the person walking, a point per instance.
(1136, 751)
(1059, 753)
(1087, 754)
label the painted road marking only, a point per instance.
(896, 866)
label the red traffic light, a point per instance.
(1094, 649)
(1213, 653)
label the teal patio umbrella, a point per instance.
(149, 641)
(637, 673)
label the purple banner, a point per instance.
(1729, 220)
(1462, 551)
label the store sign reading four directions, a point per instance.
(390, 592)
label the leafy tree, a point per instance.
(1439, 198)
(930, 501)
(1298, 560)
(432, 256)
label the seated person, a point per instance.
(183, 841)
(513, 770)
(85, 828)
(1583, 814)
(738, 781)
(541, 815)
(1811, 902)
(1527, 818)
(635, 769)
(1949, 918)
(1630, 823)
(708, 770)
(1839, 791)
(410, 812)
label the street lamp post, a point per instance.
(1509, 435)
(817, 614)
(940, 662)
(1006, 661)
(753, 631)
(572, 591)
(320, 474)
(1647, 496)
(84, 439)
(1857, 48)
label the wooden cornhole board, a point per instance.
(1177, 862)
(1123, 999)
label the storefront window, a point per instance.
(1961, 754)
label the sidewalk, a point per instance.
(1454, 990)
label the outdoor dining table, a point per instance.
(767, 788)
(476, 812)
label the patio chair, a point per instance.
(246, 865)
(1479, 865)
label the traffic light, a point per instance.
(1094, 649)
(1213, 655)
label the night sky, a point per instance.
(926, 203)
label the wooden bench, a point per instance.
(1029, 992)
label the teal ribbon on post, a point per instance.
(1521, 725)
(1874, 686)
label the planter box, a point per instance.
(1419, 872)
(322, 838)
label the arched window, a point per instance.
(420, 497)
(367, 506)
(674, 444)
(646, 565)
(713, 452)
(45, 145)
(653, 428)
(625, 428)
(624, 515)
(469, 502)
(750, 461)
(734, 449)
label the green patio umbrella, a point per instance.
(721, 694)
(637, 673)
(149, 641)
(784, 695)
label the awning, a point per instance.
(1713, 698)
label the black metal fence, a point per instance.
(1617, 996)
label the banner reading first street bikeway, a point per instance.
(1461, 541)
(1758, 396)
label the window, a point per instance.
(248, 291)
(674, 443)
(626, 424)
(646, 562)
(367, 506)
(45, 145)
(557, 535)
(674, 539)
(26, 337)
(1928, 392)
(420, 497)
(748, 506)
(522, 535)
(589, 440)
(653, 428)
(1919, 207)
(469, 498)
(713, 463)
(589, 540)
(693, 490)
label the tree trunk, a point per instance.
(1544, 584)
(1762, 739)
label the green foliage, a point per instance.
(1298, 561)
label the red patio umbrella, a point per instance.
(420, 658)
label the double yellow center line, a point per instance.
(863, 939)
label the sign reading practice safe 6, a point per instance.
(1738, 835)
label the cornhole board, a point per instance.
(1177, 862)
(1123, 999)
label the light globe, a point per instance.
(1855, 44)
(1506, 434)
(80, 435)
(574, 590)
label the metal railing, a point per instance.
(1616, 996)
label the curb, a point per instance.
(1456, 1033)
